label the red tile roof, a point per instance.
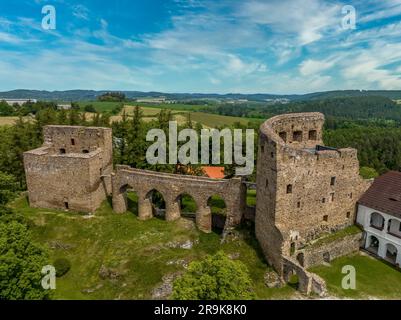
(214, 172)
(385, 194)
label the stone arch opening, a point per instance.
(394, 228)
(130, 198)
(291, 277)
(251, 196)
(373, 244)
(158, 203)
(188, 206)
(326, 257)
(391, 253)
(377, 221)
(218, 208)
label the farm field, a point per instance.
(103, 106)
(150, 112)
(207, 119)
(7, 120)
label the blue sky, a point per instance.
(269, 46)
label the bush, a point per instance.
(368, 173)
(8, 188)
(214, 278)
(90, 108)
(21, 262)
(117, 109)
(62, 266)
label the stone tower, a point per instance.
(72, 169)
(304, 189)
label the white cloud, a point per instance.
(377, 10)
(80, 11)
(312, 67)
(9, 38)
(367, 68)
(307, 20)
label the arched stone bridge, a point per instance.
(172, 187)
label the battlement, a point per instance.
(297, 130)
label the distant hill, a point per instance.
(80, 95)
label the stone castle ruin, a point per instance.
(173, 187)
(71, 170)
(305, 190)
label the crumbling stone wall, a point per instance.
(308, 282)
(318, 254)
(303, 188)
(72, 168)
(172, 186)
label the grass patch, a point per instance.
(251, 198)
(351, 230)
(374, 278)
(136, 250)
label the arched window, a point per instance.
(376, 221)
(391, 253)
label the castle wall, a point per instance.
(304, 189)
(326, 252)
(70, 170)
(172, 186)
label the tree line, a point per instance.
(372, 109)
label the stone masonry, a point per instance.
(304, 189)
(74, 170)
(172, 187)
(71, 170)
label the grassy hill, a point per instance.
(117, 256)
(138, 254)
